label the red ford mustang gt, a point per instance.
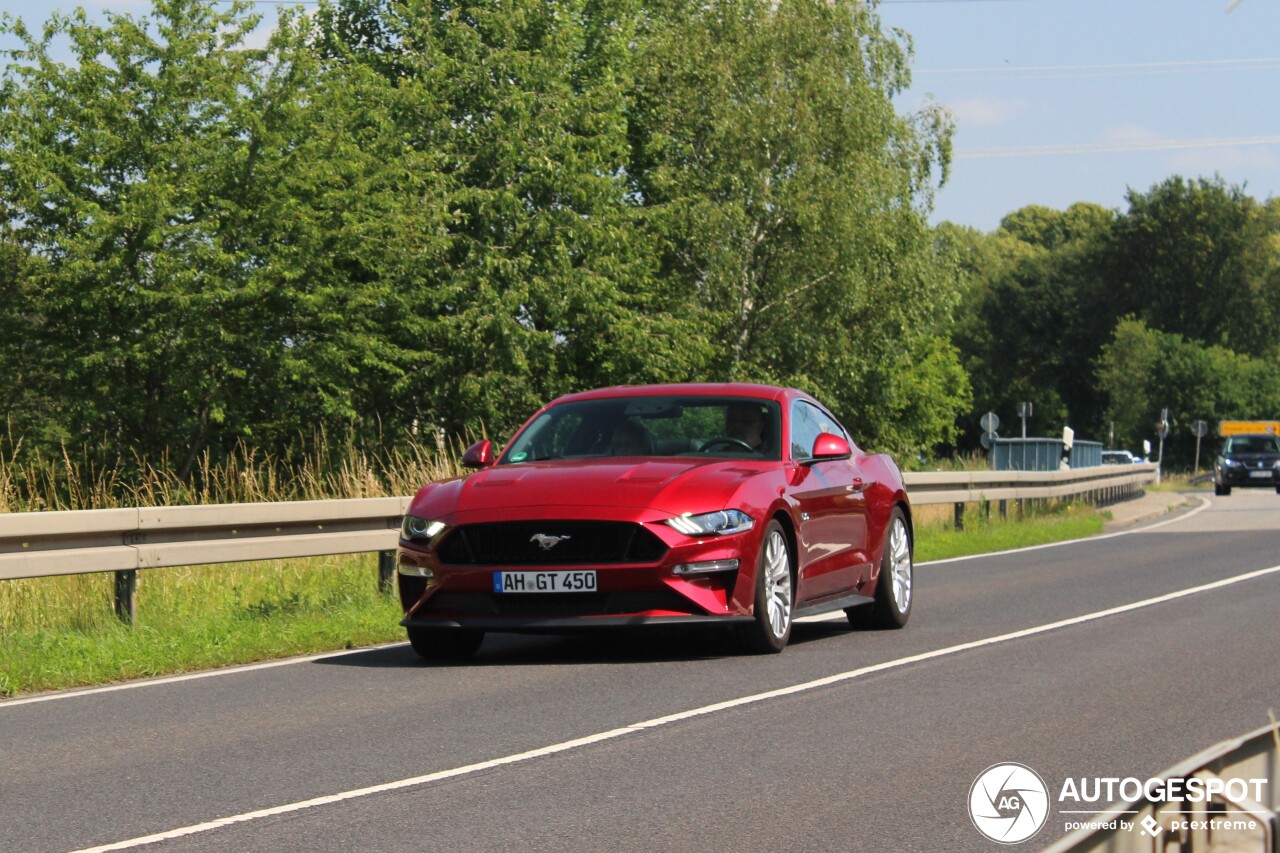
(740, 504)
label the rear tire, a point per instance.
(894, 588)
(770, 630)
(445, 644)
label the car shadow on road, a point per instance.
(617, 646)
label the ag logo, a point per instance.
(1008, 803)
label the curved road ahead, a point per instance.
(1115, 656)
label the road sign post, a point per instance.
(1162, 430)
(990, 422)
(1024, 412)
(1200, 429)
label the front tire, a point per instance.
(894, 589)
(445, 644)
(1222, 491)
(770, 631)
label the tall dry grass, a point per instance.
(32, 481)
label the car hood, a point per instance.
(666, 485)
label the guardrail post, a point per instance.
(1004, 509)
(386, 570)
(959, 516)
(126, 595)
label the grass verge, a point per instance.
(983, 535)
(57, 633)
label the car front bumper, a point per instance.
(1247, 477)
(434, 594)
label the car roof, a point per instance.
(689, 389)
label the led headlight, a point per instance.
(415, 529)
(721, 523)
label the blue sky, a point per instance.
(1058, 101)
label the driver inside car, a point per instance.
(746, 423)
(631, 439)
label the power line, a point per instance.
(1047, 72)
(1061, 149)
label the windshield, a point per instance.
(1253, 444)
(731, 427)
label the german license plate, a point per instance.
(1260, 475)
(582, 581)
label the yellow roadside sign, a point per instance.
(1249, 427)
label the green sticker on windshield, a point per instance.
(518, 457)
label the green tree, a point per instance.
(791, 200)
(1143, 370)
(1051, 229)
(1022, 329)
(204, 222)
(124, 172)
(1197, 258)
(542, 279)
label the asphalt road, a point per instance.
(849, 740)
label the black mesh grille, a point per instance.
(520, 543)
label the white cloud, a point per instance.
(985, 112)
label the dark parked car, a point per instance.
(734, 504)
(1247, 461)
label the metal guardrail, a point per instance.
(973, 486)
(1229, 820)
(48, 544)
(42, 544)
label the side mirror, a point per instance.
(827, 446)
(478, 455)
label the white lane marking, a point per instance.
(1205, 504)
(193, 676)
(657, 722)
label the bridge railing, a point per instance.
(1232, 809)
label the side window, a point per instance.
(807, 423)
(806, 426)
